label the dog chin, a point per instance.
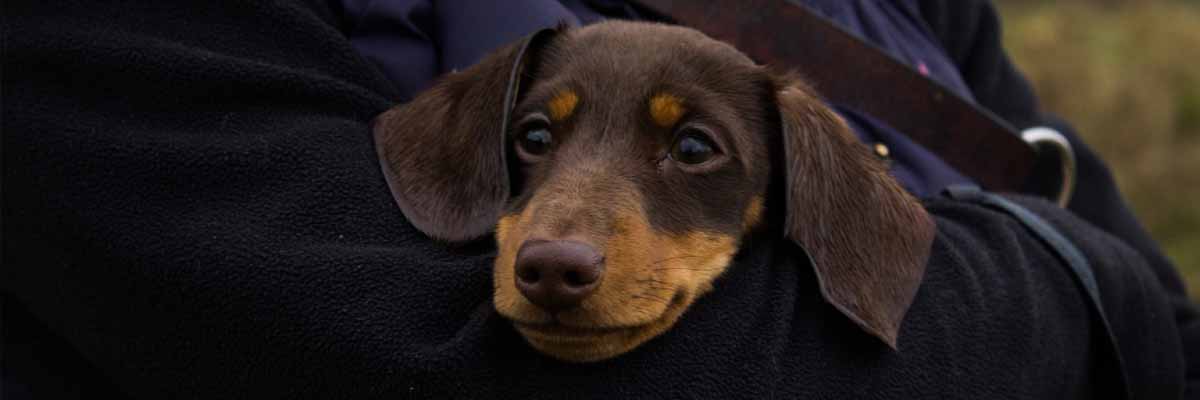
(584, 344)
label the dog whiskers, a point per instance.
(675, 258)
(697, 269)
(649, 296)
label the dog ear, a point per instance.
(443, 153)
(868, 239)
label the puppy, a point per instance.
(620, 166)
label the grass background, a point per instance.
(1126, 74)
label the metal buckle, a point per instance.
(1053, 156)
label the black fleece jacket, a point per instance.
(193, 208)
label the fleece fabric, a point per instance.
(193, 209)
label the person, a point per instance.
(193, 209)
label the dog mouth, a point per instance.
(586, 344)
(556, 332)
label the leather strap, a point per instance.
(851, 72)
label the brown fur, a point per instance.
(666, 229)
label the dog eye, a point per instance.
(693, 147)
(535, 139)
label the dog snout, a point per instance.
(557, 275)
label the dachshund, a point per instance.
(621, 165)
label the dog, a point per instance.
(621, 165)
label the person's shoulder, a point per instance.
(950, 20)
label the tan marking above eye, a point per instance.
(666, 109)
(562, 105)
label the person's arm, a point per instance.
(184, 186)
(1026, 272)
(970, 32)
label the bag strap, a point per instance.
(967, 137)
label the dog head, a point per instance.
(621, 164)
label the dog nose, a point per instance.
(558, 274)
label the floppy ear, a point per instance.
(443, 153)
(867, 237)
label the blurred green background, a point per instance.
(1126, 74)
